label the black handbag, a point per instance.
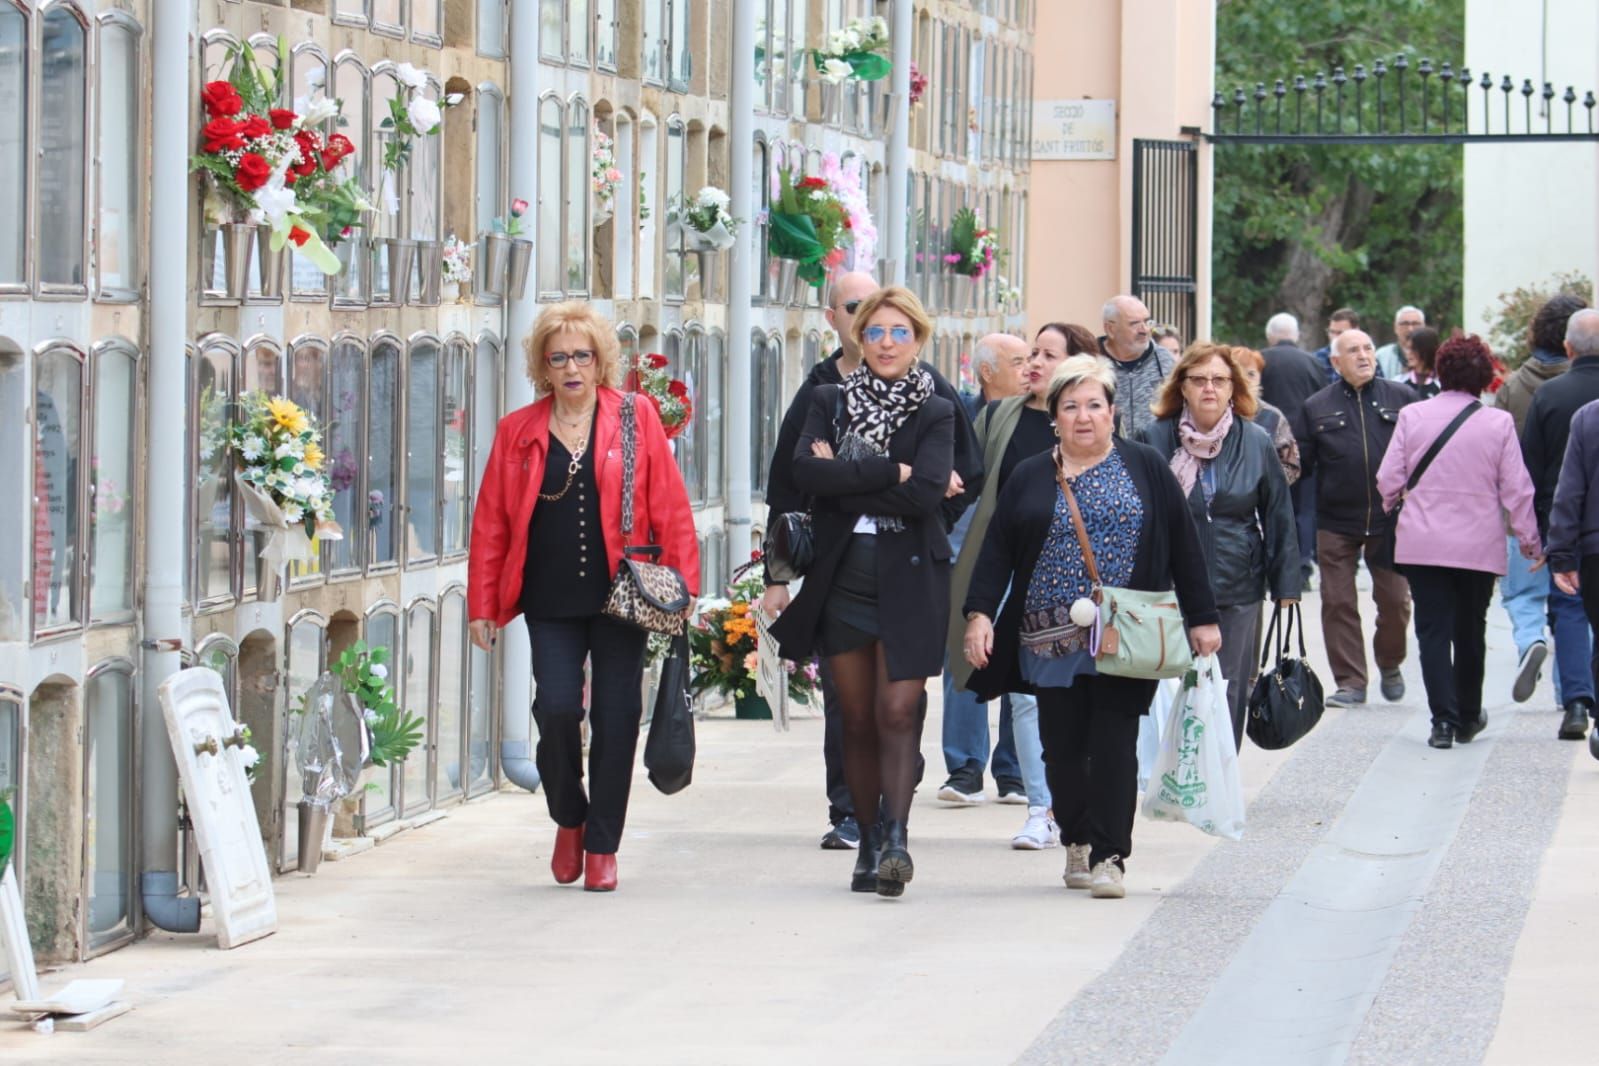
(1287, 701)
(669, 749)
(645, 594)
(1382, 556)
(790, 546)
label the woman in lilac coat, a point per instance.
(1449, 540)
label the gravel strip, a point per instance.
(1441, 999)
(1134, 1011)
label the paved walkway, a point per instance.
(1388, 904)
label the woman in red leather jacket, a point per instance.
(546, 544)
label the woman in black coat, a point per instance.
(1233, 477)
(875, 457)
(1143, 538)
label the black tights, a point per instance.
(882, 733)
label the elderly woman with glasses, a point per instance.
(1032, 562)
(875, 458)
(547, 540)
(1232, 476)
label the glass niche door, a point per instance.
(378, 801)
(416, 797)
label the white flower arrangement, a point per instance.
(457, 261)
(705, 222)
(858, 50)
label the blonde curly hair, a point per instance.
(581, 318)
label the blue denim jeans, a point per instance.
(1525, 596)
(1573, 647)
(966, 733)
(1029, 748)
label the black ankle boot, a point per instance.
(894, 867)
(864, 877)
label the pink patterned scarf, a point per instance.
(1197, 446)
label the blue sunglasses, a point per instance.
(875, 334)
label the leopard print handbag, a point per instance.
(645, 594)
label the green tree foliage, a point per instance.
(1312, 228)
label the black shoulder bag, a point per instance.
(1287, 702)
(1383, 555)
(790, 547)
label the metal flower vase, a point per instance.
(493, 254)
(887, 269)
(311, 831)
(401, 253)
(237, 240)
(964, 294)
(832, 97)
(520, 259)
(708, 259)
(270, 263)
(430, 272)
(885, 108)
(788, 281)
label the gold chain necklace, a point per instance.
(571, 471)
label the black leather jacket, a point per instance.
(1342, 436)
(1247, 527)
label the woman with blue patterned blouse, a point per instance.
(1143, 538)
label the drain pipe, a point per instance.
(898, 155)
(165, 543)
(516, 673)
(740, 269)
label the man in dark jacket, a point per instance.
(1291, 377)
(1343, 431)
(783, 496)
(1345, 318)
(1545, 433)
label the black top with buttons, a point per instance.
(566, 574)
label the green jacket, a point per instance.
(993, 436)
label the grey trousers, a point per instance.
(1240, 632)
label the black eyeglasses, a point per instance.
(851, 306)
(582, 357)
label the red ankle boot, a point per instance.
(567, 862)
(600, 873)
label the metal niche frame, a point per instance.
(55, 290)
(406, 805)
(128, 807)
(117, 345)
(420, 340)
(385, 339)
(138, 229)
(79, 536)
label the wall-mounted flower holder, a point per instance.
(270, 264)
(430, 272)
(493, 254)
(238, 241)
(517, 267)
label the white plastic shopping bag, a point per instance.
(1195, 779)
(1152, 726)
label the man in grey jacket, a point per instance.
(1141, 364)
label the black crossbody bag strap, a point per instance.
(1437, 446)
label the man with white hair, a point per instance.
(1391, 362)
(1141, 364)
(1292, 375)
(1550, 439)
(1343, 432)
(999, 361)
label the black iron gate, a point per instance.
(1166, 232)
(1406, 100)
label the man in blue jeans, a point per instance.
(1544, 434)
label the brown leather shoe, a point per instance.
(600, 874)
(567, 862)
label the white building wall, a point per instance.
(1531, 210)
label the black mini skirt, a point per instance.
(849, 617)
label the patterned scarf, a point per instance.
(1197, 447)
(874, 409)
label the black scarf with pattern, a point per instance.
(874, 409)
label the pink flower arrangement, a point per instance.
(846, 184)
(919, 84)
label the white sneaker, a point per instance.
(1039, 832)
(1107, 881)
(1077, 874)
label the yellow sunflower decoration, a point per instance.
(287, 414)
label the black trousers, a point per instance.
(1090, 735)
(1451, 612)
(616, 651)
(1588, 574)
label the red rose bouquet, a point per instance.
(671, 397)
(269, 165)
